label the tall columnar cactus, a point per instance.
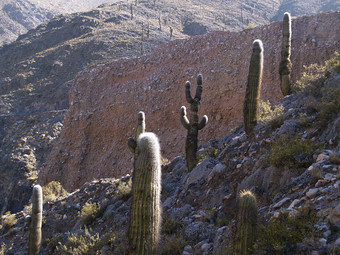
(140, 129)
(252, 97)
(192, 126)
(36, 221)
(285, 64)
(246, 224)
(145, 214)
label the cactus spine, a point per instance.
(246, 224)
(140, 129)
(252, 97)
(285, 64)
(145, 214)
(36, 221)
(192, 126)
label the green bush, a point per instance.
(271, 114)
(290, 151)
(174, 245)
(123, 190)
(53, 190)
(330, 104)
(282, 234)
(311, 80)
(8, 221)
(223, 221)
(4, 250)
(305, 120)
(89, 212)
(76, 244)
(165, 161)
(321, 96)
(314, 77)
(250, 26)
(85, 242)
(170, 226)
(54, 242)
(333, 65)
(210, 152)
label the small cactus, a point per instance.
(36, 221)
(246, 224)
(140, 129)
(145, 214)
(285, 64)
(192, 126)
(252, 97)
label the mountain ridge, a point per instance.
(19, 16)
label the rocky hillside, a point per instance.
(37, 70)
(291, 163)
(19, 16)
(299, 8)
(105, 99)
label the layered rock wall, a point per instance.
(105, 99)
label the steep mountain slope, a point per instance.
(19, 16)
(105, 99)
(299, 8)
(37, 70)
(291, 165)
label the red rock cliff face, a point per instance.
(105, 99)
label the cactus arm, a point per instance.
(139, 130)
(184, 120)
(141, 124)
(132, 144)
(188, 96)
(203, 122)
(199, 88)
